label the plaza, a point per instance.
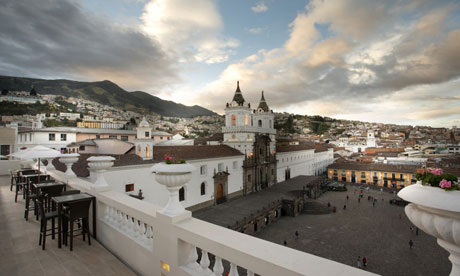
(377, 233)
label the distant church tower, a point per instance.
(264, 119)
(238, 130)
(144, 141)
(371, 139)
(252, 132)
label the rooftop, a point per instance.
(21, 255)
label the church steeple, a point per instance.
(238, 97)
(263, 106)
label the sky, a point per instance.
(376, 61)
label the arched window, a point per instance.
(182, 194)
(233, 120)
(246, 120)
(139, 151)
(260, 123)
(147, 152)
(203, 189)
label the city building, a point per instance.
(383, 175)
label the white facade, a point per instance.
(53, 139)
(144, 142)
(141, 177)
(303, 162)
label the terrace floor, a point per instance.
(20, 253)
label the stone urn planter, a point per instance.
(173, 177)
(69, 159)
(437, 213)
(100, 164)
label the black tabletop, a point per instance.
(48, 184)
(70, 198)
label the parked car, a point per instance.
(336, 186)
(398, 201)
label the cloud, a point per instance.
(58, 39)
(189, 31)
(259, 8)
(255, 30)
(371, 51)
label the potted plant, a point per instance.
(173, 174)
(435, 209)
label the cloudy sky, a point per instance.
(383, 61)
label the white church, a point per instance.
(246, 161)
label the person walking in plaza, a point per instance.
(296, 235)
(411, 229)
(344, 207)
(285, 243)
(347, 197)
(358, 262)
(411, 244)
(364, 261)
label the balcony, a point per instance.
(153, 243)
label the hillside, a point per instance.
(104, 92)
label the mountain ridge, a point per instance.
(104, 92)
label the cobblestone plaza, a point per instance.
(377, 233)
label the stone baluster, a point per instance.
(128, 229)
(124, 224)
(143, 230)
(134, 232)
(205, 263)
(119, 219)
(233, 270)
(106, 213)
(192, 259)
(218, 267)
(149, 235)
(112, 216)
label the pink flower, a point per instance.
(445, 184)
(435, 171)
(168, 158)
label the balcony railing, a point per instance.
(153, 243)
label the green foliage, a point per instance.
(56, 123)
(14, 108)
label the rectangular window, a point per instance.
(363, 175)
(335, 172)
(401, 176)
(203, 169)
(235, 165)
(220, 167)
(82, 148)
(25, 137)
(343, 173)
(30, 137)
(161, 137)
(112, 136)
(4, 151)
(393, 175)
(249, 178)
(124, 138)
(52, 137)
(385, 175)
(63, 137)
(98, 136)
(129, 187)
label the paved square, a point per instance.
(378, 233)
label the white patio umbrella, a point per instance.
(39, 152)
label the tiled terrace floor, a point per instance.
(20, 253)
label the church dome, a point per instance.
(144, 123)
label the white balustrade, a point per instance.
(135, 229)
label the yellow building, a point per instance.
(383, 175)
